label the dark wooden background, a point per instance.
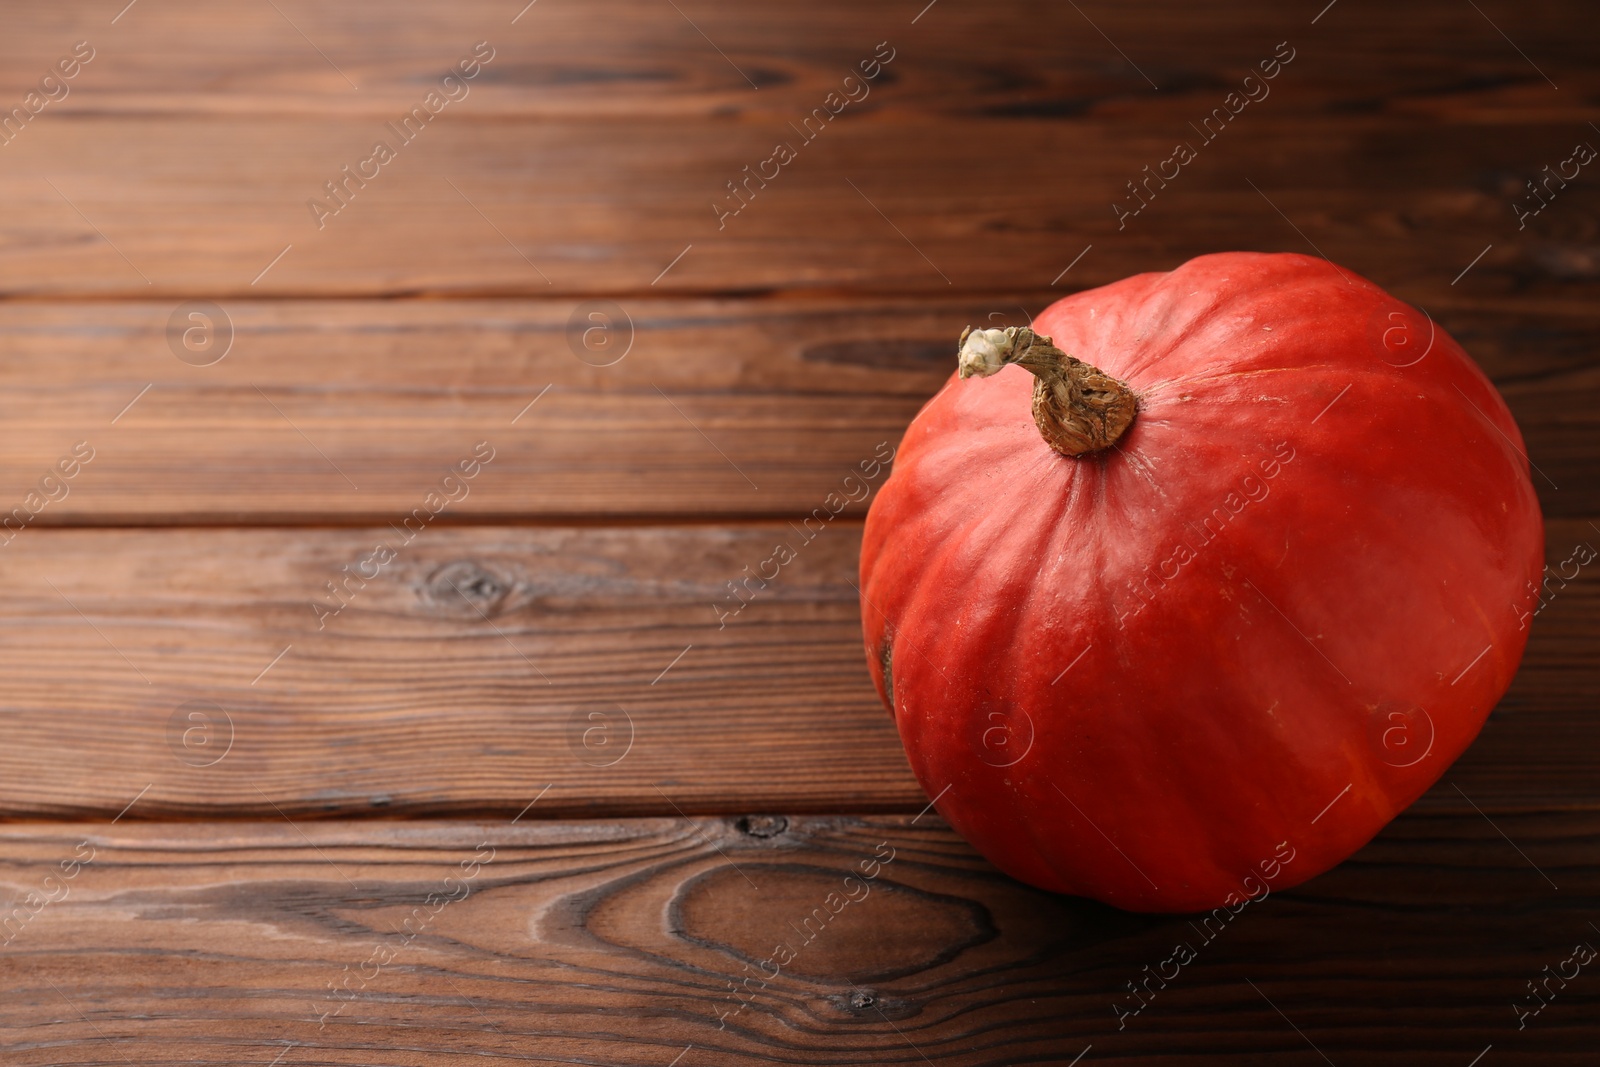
(229, 830)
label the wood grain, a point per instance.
(352, 411)
(484, 665)
(618, 942)
(612, 58)
(512, 206)
(479, 667)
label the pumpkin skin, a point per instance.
(1259, 625)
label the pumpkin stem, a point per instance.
(1079, 409)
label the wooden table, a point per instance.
(367, 697)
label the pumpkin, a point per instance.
(1181, 593)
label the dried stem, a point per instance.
(1078, 408)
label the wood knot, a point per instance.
(467, 585)
(871, 1004)
(763, 826)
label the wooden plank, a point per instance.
(479, 667)
(630, 943)
(328, 411)
(717, 408)
(513, 206)
(614, 57)
(484, 665)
